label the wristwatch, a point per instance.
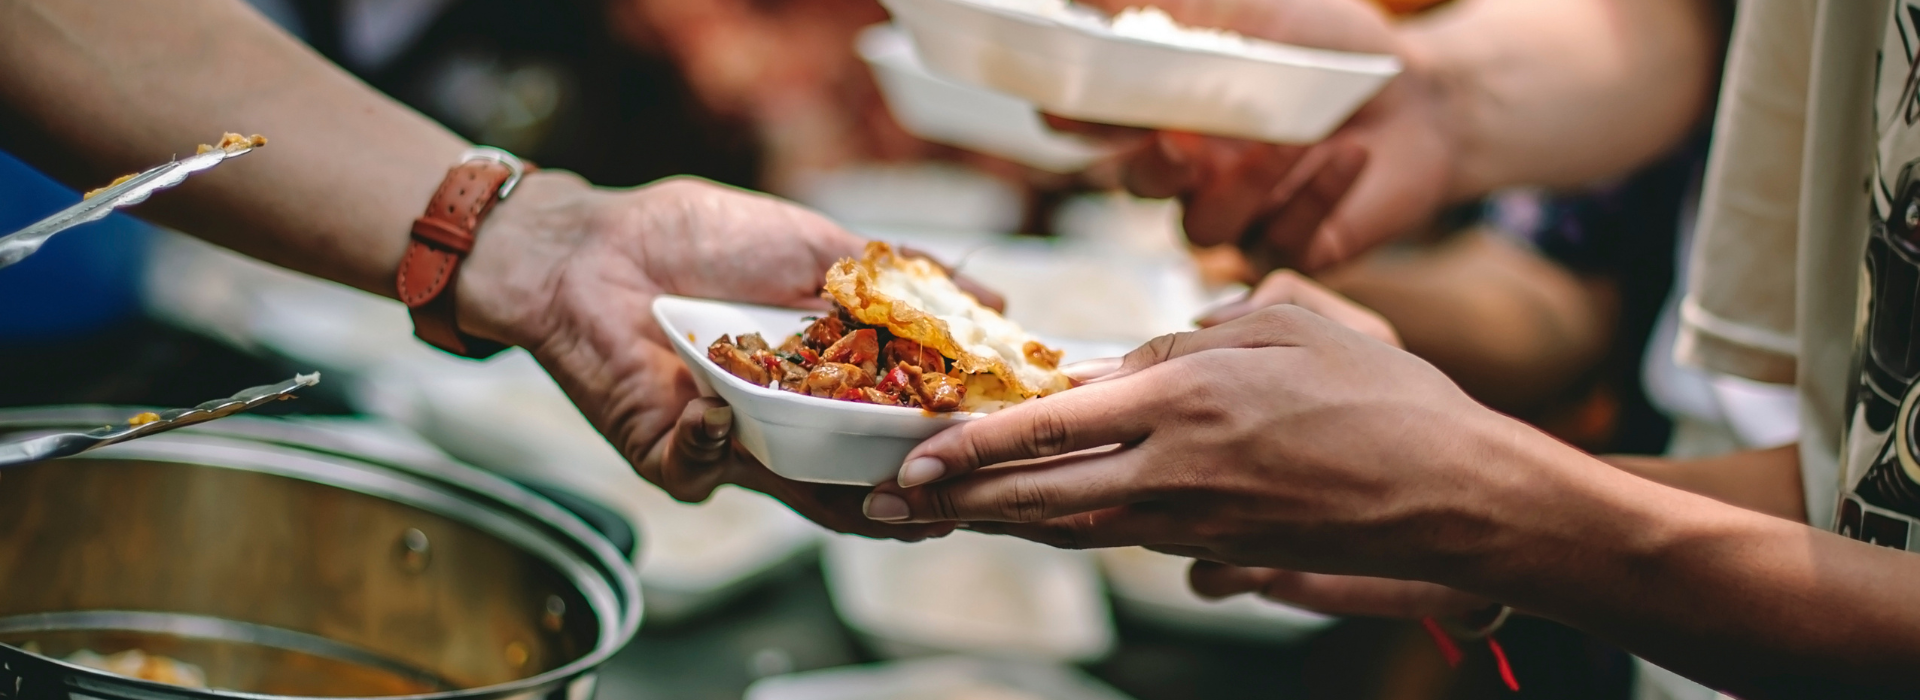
(443, 236)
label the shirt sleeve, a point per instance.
(1738, 314)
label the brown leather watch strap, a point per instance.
(442, 237)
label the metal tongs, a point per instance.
(44, 447)
(17, 246)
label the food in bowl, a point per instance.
(901, 333)
(134, 663)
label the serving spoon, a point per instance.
(44, 446)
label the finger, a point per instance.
(1111, 411)
(1216, 580)
(1124, 526)
(1289, 287)
(1383, 203)
(1091, 416)
(1364, 595)
(836, 507)
(693, 458)
(1229, 199)
(1162, 166)
(1305, 214)
(1260, 327)
(987, 297)
(1053, 488)
(1111, 133)
(1088, 371)
(1184, 551)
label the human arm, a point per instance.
(1765, 481)
(1537, 327)
(1282, 440)
(1494, 93)
(90, 90)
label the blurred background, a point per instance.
(1569, 294)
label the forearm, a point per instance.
(1537, 327)
(1767, 480)
(93, 90)
(1733, 598)
(1564, 93)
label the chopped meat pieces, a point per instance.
(752, 342)
(937, 392)
(837, 359)
(861, 347)
(737, 362)
(901, 350)
(825, 332)
(835, 380)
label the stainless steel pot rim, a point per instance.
(210, 628)
(312, 455)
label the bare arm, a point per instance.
(93, 90)
(1536, 327)
(1564, 93)
(1753, 604)
(1283, 440)
(1495, 93)
(1766, 481)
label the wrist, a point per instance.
(1568, 519)
(507, 282)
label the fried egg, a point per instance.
(916, 299)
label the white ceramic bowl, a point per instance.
(1278, 93)
(957, 114)
(800, 437)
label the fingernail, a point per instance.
(920, 470)
(718, 421)
(885, 507)
(1088, 370)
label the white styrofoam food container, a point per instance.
(939, 677)
(1079, 70)
(1152, 587)
(800, 437)
(957, 114)
(969, 593)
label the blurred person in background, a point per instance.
(768, 95)
(1556, 306)
(1797, 268)
(563, 268)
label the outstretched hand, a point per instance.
(571, 274)
(1280, 439)
(1307, 206)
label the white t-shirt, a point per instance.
(1806, 263)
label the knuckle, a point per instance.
(942, 503)
(1154, 352)
(1025, 500)
(1281, 287)
(1049, 434)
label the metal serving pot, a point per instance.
(285, 562)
